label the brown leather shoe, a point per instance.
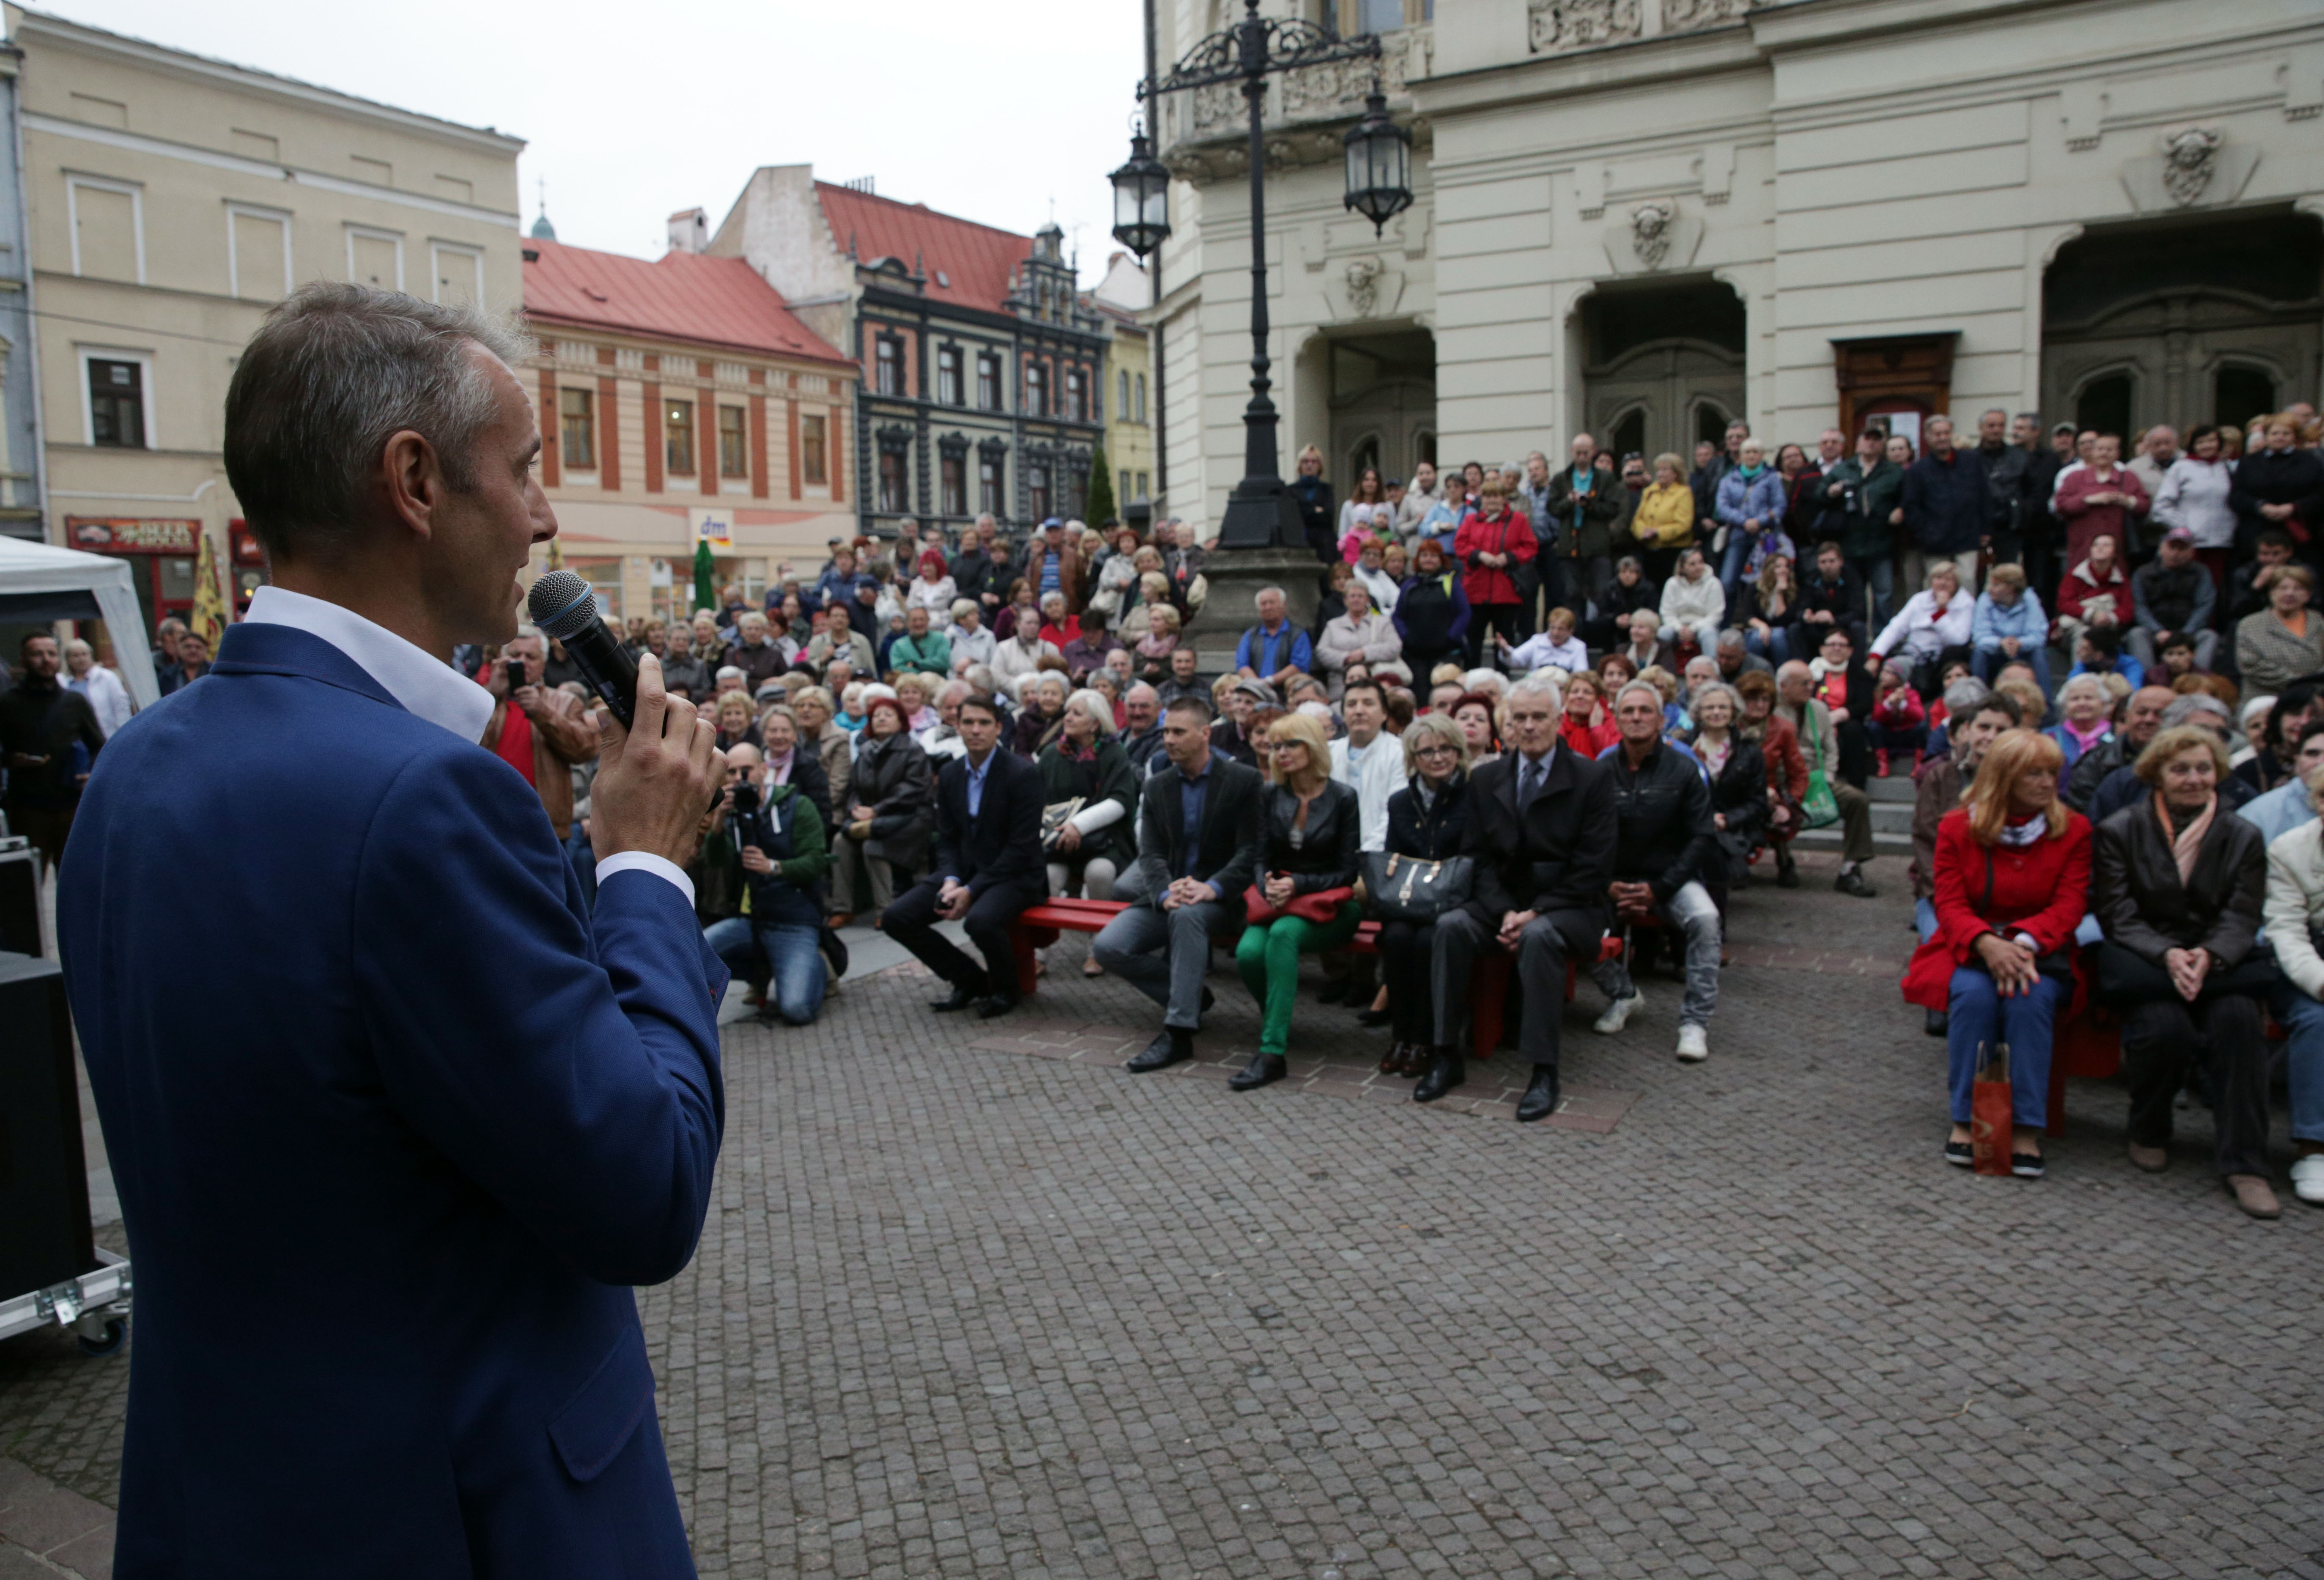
(2255, 1196)
(1396, 1059)
(2153, 1160)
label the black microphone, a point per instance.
(563, 607)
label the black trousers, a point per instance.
(2162, 1038)
(1547, 943)
(1405, 950)
(911, 921)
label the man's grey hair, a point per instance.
(1538, 685)
(2195, 707)
(726, 670)
(1132, 695)
(1731, 641)
(1964, 698)
(1259, 597)
(334, 373)
(952, 691)
(980, 678)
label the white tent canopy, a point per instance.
(38, 582)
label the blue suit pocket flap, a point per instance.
(597, 1421)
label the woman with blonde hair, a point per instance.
(2012, 877)
(1152, 655)
(1310, 833)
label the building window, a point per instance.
(733, 443)
(954, 475)
(887, 363)
(459, 274)
(811, 463)
(948, 374)
(892, 482)
(1141, 397)
(1121, 407)
(116, 403)
(677, 437)
(987, 382)
(257, 252)
(1037, 390)
(577, 428)
(107, 220)
(1123, 494)
(988, 486)
(1076, 395)
(1037, 491)
(376, 257)
(1142, 485)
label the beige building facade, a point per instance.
(173, 198)
(1127, 380)
(1644, 218)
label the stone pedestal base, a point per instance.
(1235, 577)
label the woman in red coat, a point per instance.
(2013, 880)
(1490, 546)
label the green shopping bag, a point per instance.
(1819, 809)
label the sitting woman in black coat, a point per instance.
(1312, 833)
(1425, 822)
(1737, 770)
(2179, 883)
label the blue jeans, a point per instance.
(1776, 647)
(1924, 918)
(786, 953)
(1987, 665)
(1980, 1014)
(1730, 564)
(1878, 572)
(2304, 1018)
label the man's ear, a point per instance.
(412, 479)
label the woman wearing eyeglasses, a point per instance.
(1311, 832)
(1427, 820)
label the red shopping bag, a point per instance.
(1989, 1115)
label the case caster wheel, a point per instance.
(116, 1334)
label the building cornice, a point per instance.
(55, 30)
(656, 341)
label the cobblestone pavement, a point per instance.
(967, 1311)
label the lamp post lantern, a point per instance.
(1260, 511)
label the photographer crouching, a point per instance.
(768, 841)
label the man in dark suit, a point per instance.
(1198, 849)
(405, 1079)
(1541, 833)
(988, 867)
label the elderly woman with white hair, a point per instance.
(1041, 712)
(2086, 717)
(108, 698)
(1090, 829)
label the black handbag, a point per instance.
(1405, 888)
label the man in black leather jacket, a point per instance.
(1665, 840)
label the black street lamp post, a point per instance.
(1260, 511)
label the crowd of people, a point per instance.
(1535, 706)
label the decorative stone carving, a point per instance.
(2189, 160)
(1363, 287)
(1555, 26)
(1687, 16)
(1216, 108)
(1650, 233)
(1337, 87)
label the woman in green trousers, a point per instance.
(1309, 832)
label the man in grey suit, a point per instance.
(1198, 840)
(1541, 833)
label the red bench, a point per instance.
(1038, 926)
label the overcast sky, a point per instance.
(633, 111)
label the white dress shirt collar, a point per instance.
(427, 687)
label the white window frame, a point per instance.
(281, 217)
(439, 250)
(373, 233)
(85, 355)
(135, 192)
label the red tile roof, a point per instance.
(966, 264)
(714, 302)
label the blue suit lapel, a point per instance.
(285, 649)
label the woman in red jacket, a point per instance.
(1490, 546)
(1586, 725)
(2013, 879)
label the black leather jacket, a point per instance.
(1663, 835)
(1433, 831)
(1328, 848)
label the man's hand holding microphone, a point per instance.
(655, 776)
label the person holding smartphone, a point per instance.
(538, 730)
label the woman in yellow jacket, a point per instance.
(1665, 523)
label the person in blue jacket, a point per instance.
(1751, 504)
(398, 1127)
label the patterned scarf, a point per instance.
(2186, 844)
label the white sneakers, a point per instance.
(1693, 1044)
(2308, 1179)
(1617, 1014)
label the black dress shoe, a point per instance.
(1210, 1000)
(963, 994)
(995, 1005)
(1335, 992)
(1374, 1017)
(1170, 1046)
(1787, 875)
(1448, 1070)
(1264, 1069)
(1854, 883)
(1540, 1099)
(1936, 1023)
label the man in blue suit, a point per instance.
(396, 1132)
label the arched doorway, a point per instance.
(1383, 403)
(1661, 365)
(2203, 319)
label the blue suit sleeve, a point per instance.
(569, 1068)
